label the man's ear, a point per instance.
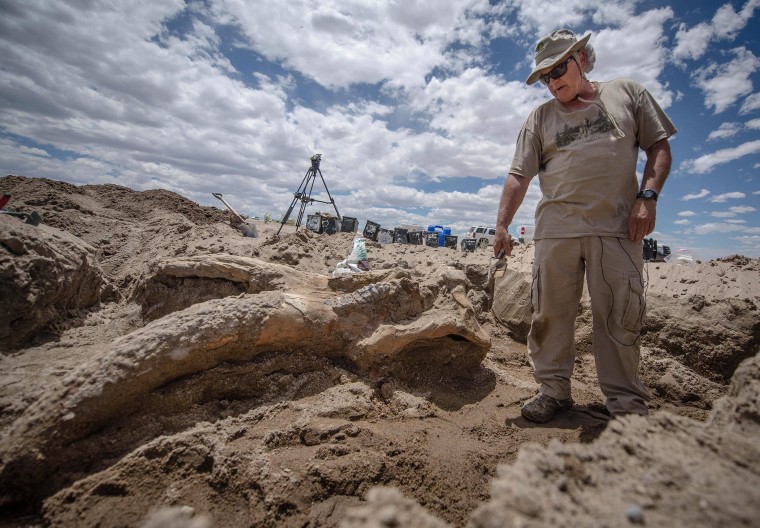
(581, 54)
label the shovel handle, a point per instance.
(220, 197)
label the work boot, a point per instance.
(542, 408)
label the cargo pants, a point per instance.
(613, 270)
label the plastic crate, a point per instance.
(314, 223)
(469, 245)
(371, 230)
(385, 236)
(415, 237)
(349, 225)
(330, 225)
(431, 239)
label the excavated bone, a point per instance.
(175, 284)
(374, 327)
(255, 274)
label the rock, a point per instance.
(45, 275)
(388, 507)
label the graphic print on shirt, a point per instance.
(586, 131)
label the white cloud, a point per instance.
(640, 41)
(741, 209)
(750, 104)
(682, 222)
(708, 162)
(723, 228)
(728, 23)
(340, 44)
(687, 213)
(23, 149)
(728, 196)
(478, 104)
(726, 130)
(540, 18)
(700, 194)
(749, 244)
(724, 83)
(168, 110)
(691, 43)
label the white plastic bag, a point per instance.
(359, 252)
(356, 262)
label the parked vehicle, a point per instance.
(483, 234)
(654, 252)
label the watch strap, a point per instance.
(647, 194)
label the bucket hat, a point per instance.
(552, 48)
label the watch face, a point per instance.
(650, 194)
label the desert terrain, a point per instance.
(158, 368)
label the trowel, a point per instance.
(497, 269)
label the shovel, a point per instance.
(220, 197)
(247, 229)
(496, 269)
(34, 218)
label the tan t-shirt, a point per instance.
(586, 159)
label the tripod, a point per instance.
(304, 192)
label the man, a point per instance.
(583, 144)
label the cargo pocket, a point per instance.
(634, 310)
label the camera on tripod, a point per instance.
(303, 194)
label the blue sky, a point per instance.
(414, 105)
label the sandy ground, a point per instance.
(304, 433)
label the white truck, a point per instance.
(484, 235)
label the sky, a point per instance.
(415, 105)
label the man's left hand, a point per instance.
(642, 219)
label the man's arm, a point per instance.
(641, 220)
(512, 196)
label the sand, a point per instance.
(158, 368)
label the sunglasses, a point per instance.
(558, 71)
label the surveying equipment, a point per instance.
(303, 194)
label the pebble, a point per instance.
(635, 514)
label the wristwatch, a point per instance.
(647, 194)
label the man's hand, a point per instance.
(502, 242)
(643, 213)
(641, 220)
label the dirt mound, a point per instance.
(187, 374)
